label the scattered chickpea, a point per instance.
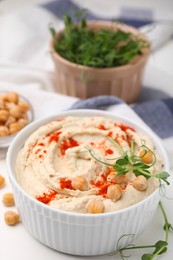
(114, 192)
(146, 156)
(11, 218)
(79, 183)
(2, 181)
(95, 207)
(140, 183)
(8, 200)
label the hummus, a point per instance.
(68, 163)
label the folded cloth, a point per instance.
(157, 114)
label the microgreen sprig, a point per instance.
(159, 247)
(129, 162)
(102, 48)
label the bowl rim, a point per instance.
(29, 129)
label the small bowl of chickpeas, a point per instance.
(15, 113)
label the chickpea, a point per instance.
(23, 121)
(11, 218)
(116, 179)
(146, 156)
(8, 105)
(8, 200)
(23, 106)
(140, 183)
(10, 120)
(24, 116)
(3, 131)
(2, 105)
(12, 97)
(95, 207)
(3, 98)
(15, 111)
(79, 183)
(4, 115)
(15, 127)
(114, 192)
(2, 181)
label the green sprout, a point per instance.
(128, 161)
(160, 247)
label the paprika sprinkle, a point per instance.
(65, 184)
(108, 151)
(101, 127)
(46, 197)
(70, 143)
(54, 137)
(125, 127)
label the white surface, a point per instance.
(24, 245)
(7, 6)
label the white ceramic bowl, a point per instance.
(75, 233)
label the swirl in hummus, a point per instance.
(56, 168)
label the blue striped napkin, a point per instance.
(157, 114)
(136, 17)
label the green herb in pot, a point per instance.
(102, 48)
